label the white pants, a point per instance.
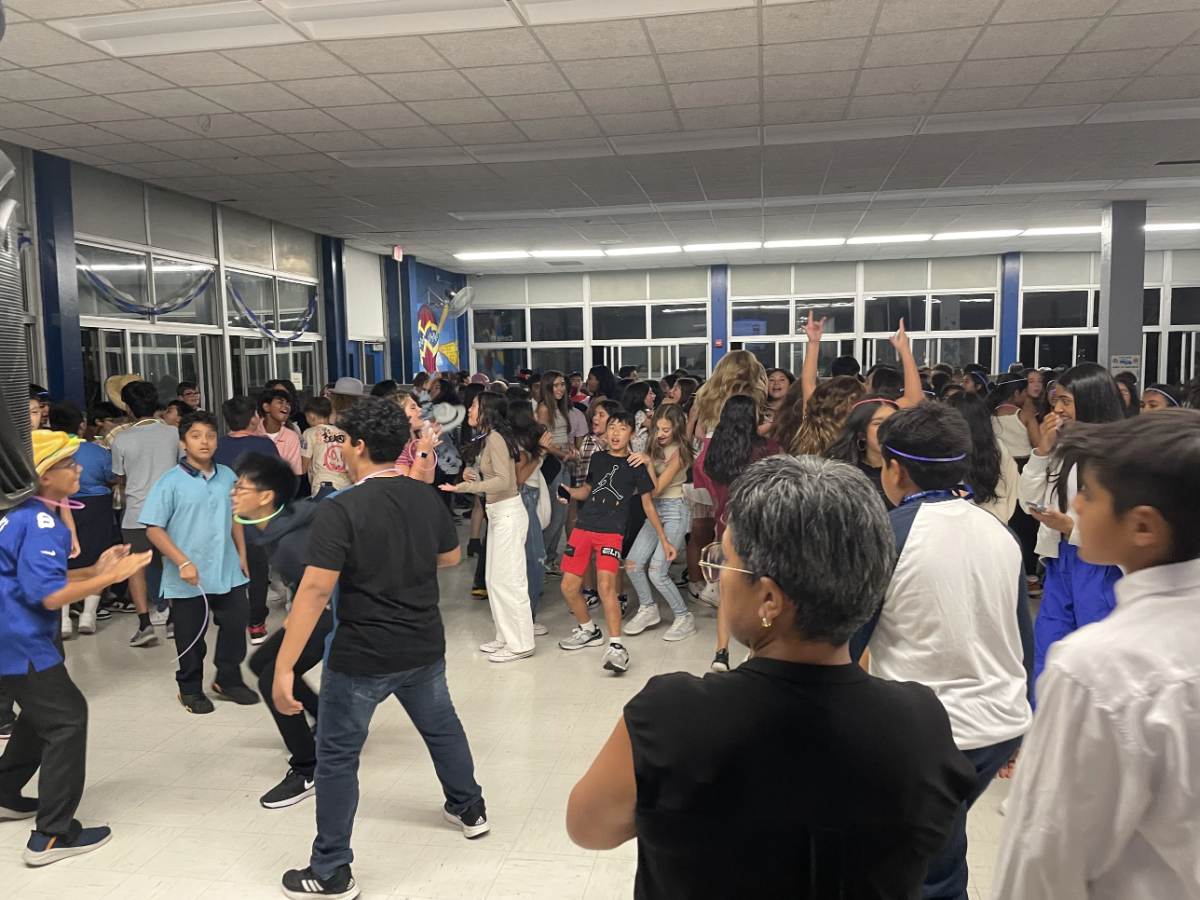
(507, 587)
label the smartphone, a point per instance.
(563, 492)
(1038, 508)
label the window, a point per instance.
(838, 314)
(175, 280)
(295, 301)
(679, 321)
(1150, 306)
(694, 358)
(886, 353)
(758, 317)
(963, 312)
(1185, 306)
(1087, 348)
(499, 326)
(251, 295)
(102, 273)
(165, 360)
(615, 323)
(1054, 309)
(554, 325)
(1054, 350)
(565, 360)
(1150, 357)
(957, 352)
(502, 364)
(886, 313)
(764, 353)
(250, 360)
(297, 362)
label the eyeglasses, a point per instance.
(712, 563)
(69, 463)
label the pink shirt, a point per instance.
(287, 442)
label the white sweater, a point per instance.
(1039, 484)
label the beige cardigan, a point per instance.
(497, 472)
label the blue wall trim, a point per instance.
(718, 314)
(333, 276)
(396, 322)
(1010, 305)
(60, 290)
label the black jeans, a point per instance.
(260, 576)
(51, 732)
(7, 716)
(230, 613)
(294, 729)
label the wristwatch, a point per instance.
(422, 454)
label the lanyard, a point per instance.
(961, 492)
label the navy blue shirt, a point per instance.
(230, 449)
(34, 546)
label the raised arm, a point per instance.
(812, 354)
(913, 392)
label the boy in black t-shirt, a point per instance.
(611, 486)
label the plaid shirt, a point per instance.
(581, 463)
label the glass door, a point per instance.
(653, 361)
(1183, 356)
(103, 357)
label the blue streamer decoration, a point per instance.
(267, 332)
(123, 301)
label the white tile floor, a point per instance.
(181, 791)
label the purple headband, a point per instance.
(1164, 393)
(981, 378)
(896, 452)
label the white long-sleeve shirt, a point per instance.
(1106, 801)
(1039, 484)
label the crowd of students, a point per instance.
(874, 540)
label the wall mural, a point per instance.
(436, 339)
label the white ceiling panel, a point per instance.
(704, 31)
(447, 85)
(595, 40)
(22, 84)
(195, 69)
(172, 102)
(613, 73)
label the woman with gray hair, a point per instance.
(852, 781)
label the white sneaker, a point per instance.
(694, 588)
(582, 637)
(492, 646)
(711, 595)
(66, 622)
(616, 659)
(87, 618)
(645, 617)
(539, 629)
(681, 629)
(506, 655)
(159, 618)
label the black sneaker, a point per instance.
(102, 614)
(473, 822)
(301, 883)
(18, 808)
(238, 693)
(720, 662)
(122, 605)
(196, 703)
(474, 547)
(295, 787)
(44, 849)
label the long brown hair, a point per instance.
(559, 407)
(673, 414)
(802, 428)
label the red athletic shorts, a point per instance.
(579, 551)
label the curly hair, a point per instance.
(734, 440)
(378, 423)
(738, 372)
(812, 427)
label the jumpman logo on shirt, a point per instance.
(605, 484)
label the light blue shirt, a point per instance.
(197, 513)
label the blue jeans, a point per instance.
(347, 704)
(558, 516)
(535, 551)
(676, 518)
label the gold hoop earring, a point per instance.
(766, 622)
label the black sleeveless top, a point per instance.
(779, 780)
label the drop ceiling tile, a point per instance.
(32, 44)
(710, 65)
(239, 165)
(484, 133)
(531, 78)
(499, 47)
(18, 115)
(251, 97)
(299, 162)
(704, 31)
(171, 102)
(147, 130)
(814, 86)
(1150, 30)
(627, 99)
(886, 105)
(82, 156)
(540, 106)
(639, 122)
(715, 93)
(927, 47)
(88, 109)
(61, 9)
(71, 135)
(195, 69)
(132, 153)
(375, 115)
(390, 54)
(1166, 87)
(798, 112)
(219, 126)
(927, 15)
(1033, 39)
(566, 128)
(982, 99)
(346, 90)
(177, 168)
(1070, 93)
(818, 21)
(595, 40)
(405, 138)
(334, 141)
(193, 149)
(288, 61)
(25, 140)
(813, 56)
(106, 77)
(1180, 61)
(721, 117)
(449, 85)
(22, 84)
(296, 121)
(632, 71)
(456, 112)
(998, 73)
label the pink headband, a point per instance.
(877, 400)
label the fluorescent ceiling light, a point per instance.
(641, 251)
(890, 239)
(1174, 226)
(564, 254)
(332, 19)
(713, 248)
(494, 254)
(807, 242)
(553, 12)
(1051, 232)
(975, 235)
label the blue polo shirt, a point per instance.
(95, 474)
(197, 513)
(34, 546)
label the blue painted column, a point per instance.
(60, 290)
(333, 277)
(397, 323)
(1010, 306)
(718, 313)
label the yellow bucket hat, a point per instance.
(51, 447)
